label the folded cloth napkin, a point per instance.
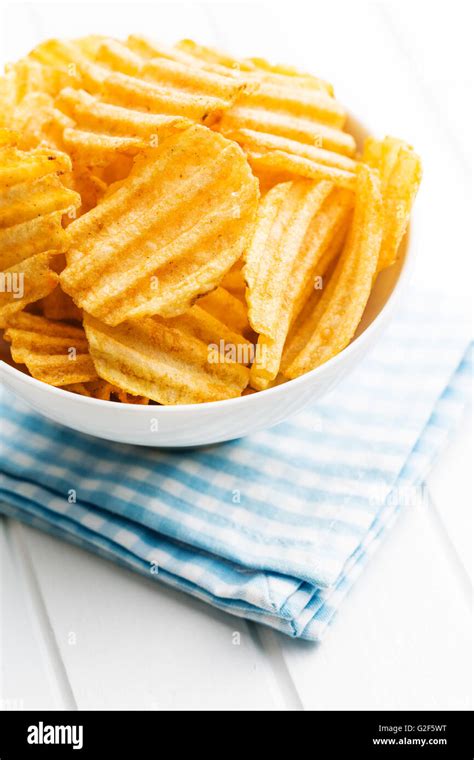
(274, 527)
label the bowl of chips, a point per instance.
(192, 247)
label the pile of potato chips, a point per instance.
(179, 226)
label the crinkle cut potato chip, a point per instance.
(192, 225)
(33, 201)
(333, 322)
(228, 308)
(286, 121)
(118, 74)
(54, 352)
(25, 283)
(296, 223)
(168, 234)
(400, 172)
(279, 154)
(167, 364)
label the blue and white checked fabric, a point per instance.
(275, 527)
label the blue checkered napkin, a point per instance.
(274, 527)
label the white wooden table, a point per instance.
(78, 631)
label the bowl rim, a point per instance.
(207, 406)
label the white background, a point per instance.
(80, 632)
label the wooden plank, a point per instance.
(402, 639)
(29, 673)
(127, 642)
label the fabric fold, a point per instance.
(275, 527)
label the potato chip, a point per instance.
(129, 398)
(40, 123)
(227, 308)
(211, 56)
(104, 391)
(169, 233)
(257, 69)
(234, 282)
(279, 101)
(100, 389)
(25, 283)
(19, 166)
(283, 74)
(60, 307)
(29, 77)
(20, 241)
(110, 69)
(112, 102)
(182, 75)
(70, 58)
(334, 320)
(400, 172)
(209, 327)
(295, 160)
(99, 132)
(278, 93)
(301, 129)
(260, 143)
(296, 223)
(32, 203)
(91, 114)
(7, 100)
(53, 352)
(170, 365)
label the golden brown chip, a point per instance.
(208, 326)
(296, 223)
(60, 307)
(18, 166)
(334, 320)
(70, 58)
(100, 389)
(227, 308)
(234, 282)
(260, 144)
(33, 201)
(129, 398)
(25, 283)
(278, 123)
(20, 241)
(167, 234)
(254, 69)
(182, 75)
(7, 100)
(53, 352)
(30, 77)
(91, 115)
(168, 364)
(400, 171)
(288, 75)
(293, 166)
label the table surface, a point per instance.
(78, 632)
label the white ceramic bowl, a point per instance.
(200, 424)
